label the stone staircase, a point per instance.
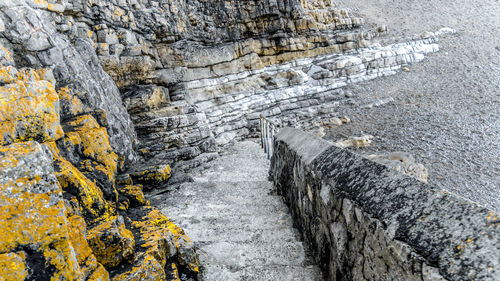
(241, 230)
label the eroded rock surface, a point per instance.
(196, 74)
(60, 210)
(112, 93)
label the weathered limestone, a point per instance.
(62, 216)
(194, 75)
(35, 241)
(32, 35)
(221, 108)
(114, 92)
(365, 221)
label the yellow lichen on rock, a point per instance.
(162, 247)
(91, 140)
(5, 57)
(13, 266)
(90, 268)
(112, 243)
(88, 194)
(29, 108)
(80, 236)
(172, 272)
(134, 194)
(155, 228)
(7, 74)
(147, 268)
(153, 174)
(32, 210)
(70, 103)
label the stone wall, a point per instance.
(100, 96)
(365, 221)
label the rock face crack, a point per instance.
(241, 230)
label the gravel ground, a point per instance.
(446, 110)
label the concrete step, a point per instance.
(196, 192)
(238, 255)
(225, 212)
(232, 176)
(264, 273)
(241, 229)
(242, 234)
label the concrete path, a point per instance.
(242, 231)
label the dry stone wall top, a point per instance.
(365, 221)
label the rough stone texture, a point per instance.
(220, 108)
(444, 111)
(30, 106)
(194, 74)
(160, 242)
(77, 75)
(402, 162)
(365, 221)
(242, 231)
(60, 210)
(34, 229)
(33, 36)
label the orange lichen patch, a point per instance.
(40, 3)
(12, 266)
(146, 268)
(89, 138)
(112, 243)
(89, 266)
(32, 209)
(5, 54)
(89, 196)
(70, 103)
(155, 229)
(134, 194)
(8, 74)
(29, 109)
(151, 175)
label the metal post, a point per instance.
(268, 130)
(261, 123)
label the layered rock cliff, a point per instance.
(98, 97)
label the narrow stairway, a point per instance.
(242, 231)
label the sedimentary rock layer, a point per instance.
(105, 95)
(64, 137)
